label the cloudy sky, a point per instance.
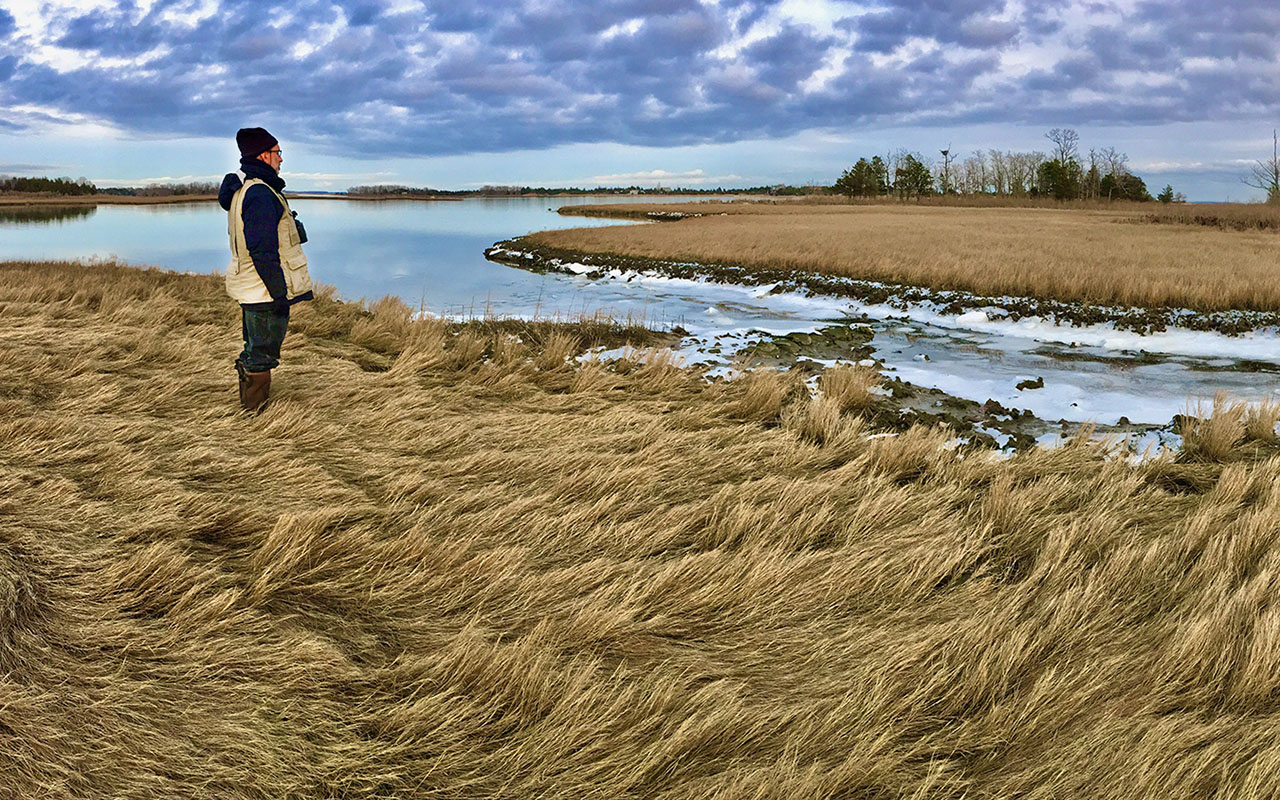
(672, 92)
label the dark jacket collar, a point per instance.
(254, 168)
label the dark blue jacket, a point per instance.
(261, 213)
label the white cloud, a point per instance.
(189, 14)
(33, 16)
(46, 120)
(405, 7)
(657, 177)
(164, 179)
(653, 108)
(322, 179)
(1136, 79)
(910, 50)
(320, 36)
(819, 15)
(1204, 64)
(629, 28)
(833, 66)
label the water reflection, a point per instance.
(429, 253)
(43, 215)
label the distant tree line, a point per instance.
(164, 190)
(1062, 174)
(392, 189)
(83, 186)
(65, 186)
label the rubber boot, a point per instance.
(243, 381)
(256, 392)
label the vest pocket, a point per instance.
(293, 261)
(297, 279)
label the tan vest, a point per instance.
(243, 283)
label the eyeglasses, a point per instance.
(277, 152)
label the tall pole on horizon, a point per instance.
(946, 169)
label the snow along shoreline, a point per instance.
(1236, 335)
(982, 352)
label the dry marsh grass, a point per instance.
(444, 563)
(1227, 216)
(852, 388)
(1089, 256)
(1213, 433)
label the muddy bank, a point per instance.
(903, 404)
(626, 213)
(523, 253)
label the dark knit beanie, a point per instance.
(254, 141)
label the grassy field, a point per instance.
(1089, 256)
(449, 561)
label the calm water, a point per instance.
(427, 253)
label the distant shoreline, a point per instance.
(27, 200)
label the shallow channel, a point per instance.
(1091, 373)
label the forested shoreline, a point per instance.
(1064, 173)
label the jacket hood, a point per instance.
(231, 184)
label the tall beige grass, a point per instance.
(444, 564)
(1213, 433)
(851, 388)
(1091, 256)
(1227, 216)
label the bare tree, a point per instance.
(1022, 172)
(1092, 186)
(974, 175)
(1066, 144)
(1113, 162)
(1265, 174)
(999, 172)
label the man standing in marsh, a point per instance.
(268, 271)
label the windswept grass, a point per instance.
(850, 388)
(451, 562)
(1086, 256)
